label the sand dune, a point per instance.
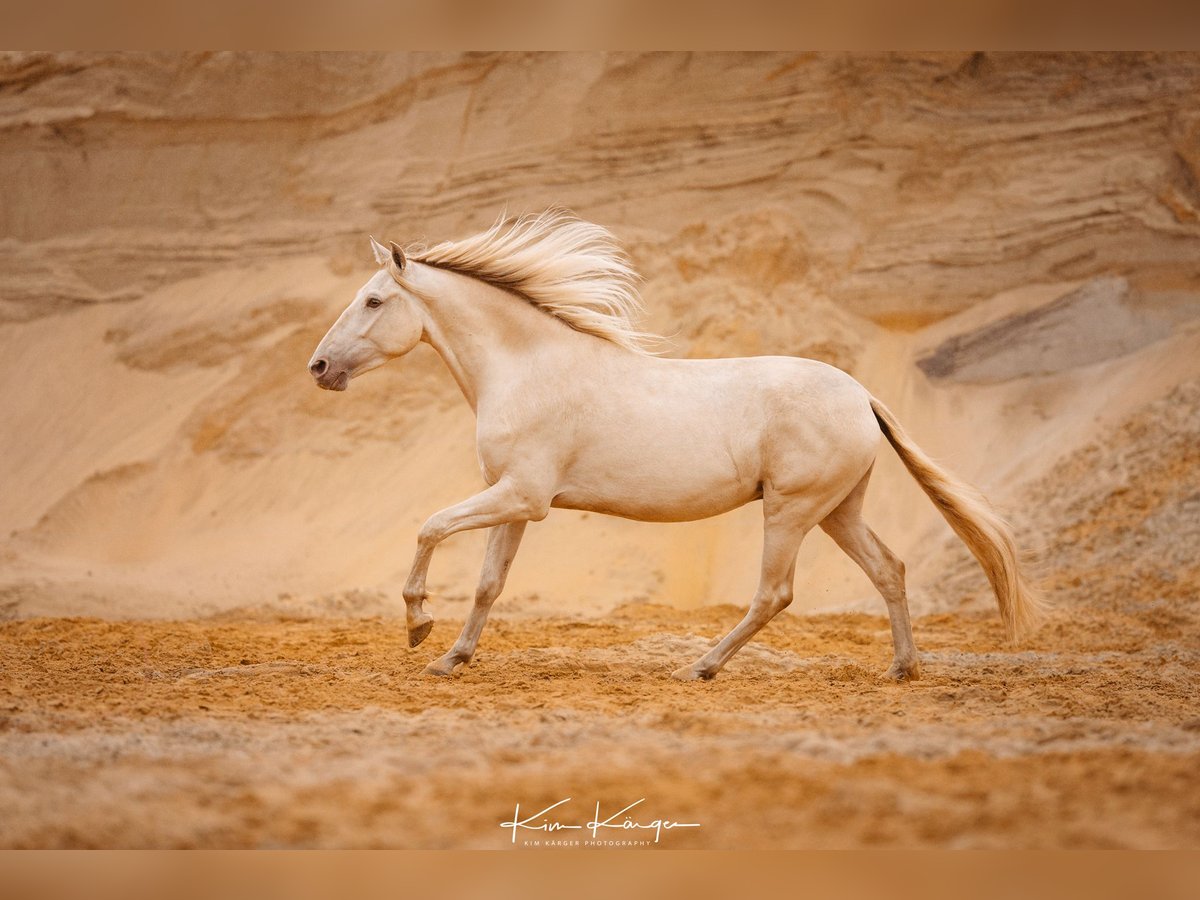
(180, 231)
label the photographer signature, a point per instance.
(658, 826)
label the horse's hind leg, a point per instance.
(785, 526)
(503, 541)
(886, 571)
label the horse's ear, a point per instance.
(380, 251)
(397, 256)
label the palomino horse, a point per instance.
(534, 319)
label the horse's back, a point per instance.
(801, 395)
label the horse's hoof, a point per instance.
(899, 671)
(418, 633)
(438, 668)
(688, 673)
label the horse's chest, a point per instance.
(491, 462)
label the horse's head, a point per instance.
(381, 323)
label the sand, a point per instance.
(322, 733)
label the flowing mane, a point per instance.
(573, 269)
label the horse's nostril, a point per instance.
(318, 368)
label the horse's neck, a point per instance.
(481, 331)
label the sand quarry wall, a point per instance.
(1004, 248)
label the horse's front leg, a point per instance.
(505, 501)
(503, 541)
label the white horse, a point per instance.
(534, 320)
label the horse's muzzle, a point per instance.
(326, 377)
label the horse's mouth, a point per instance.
(337, 383)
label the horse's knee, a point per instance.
(430, 533)
(488, 590)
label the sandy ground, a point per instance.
(315, 733)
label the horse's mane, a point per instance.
(573, 269)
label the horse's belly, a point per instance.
(658, 491)
(648, 509)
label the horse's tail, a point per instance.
(985, 533)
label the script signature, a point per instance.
(530, 823)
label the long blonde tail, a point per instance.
(985, 533)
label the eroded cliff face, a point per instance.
(1003, 248)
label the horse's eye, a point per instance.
(373, 302)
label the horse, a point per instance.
(535, 319)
